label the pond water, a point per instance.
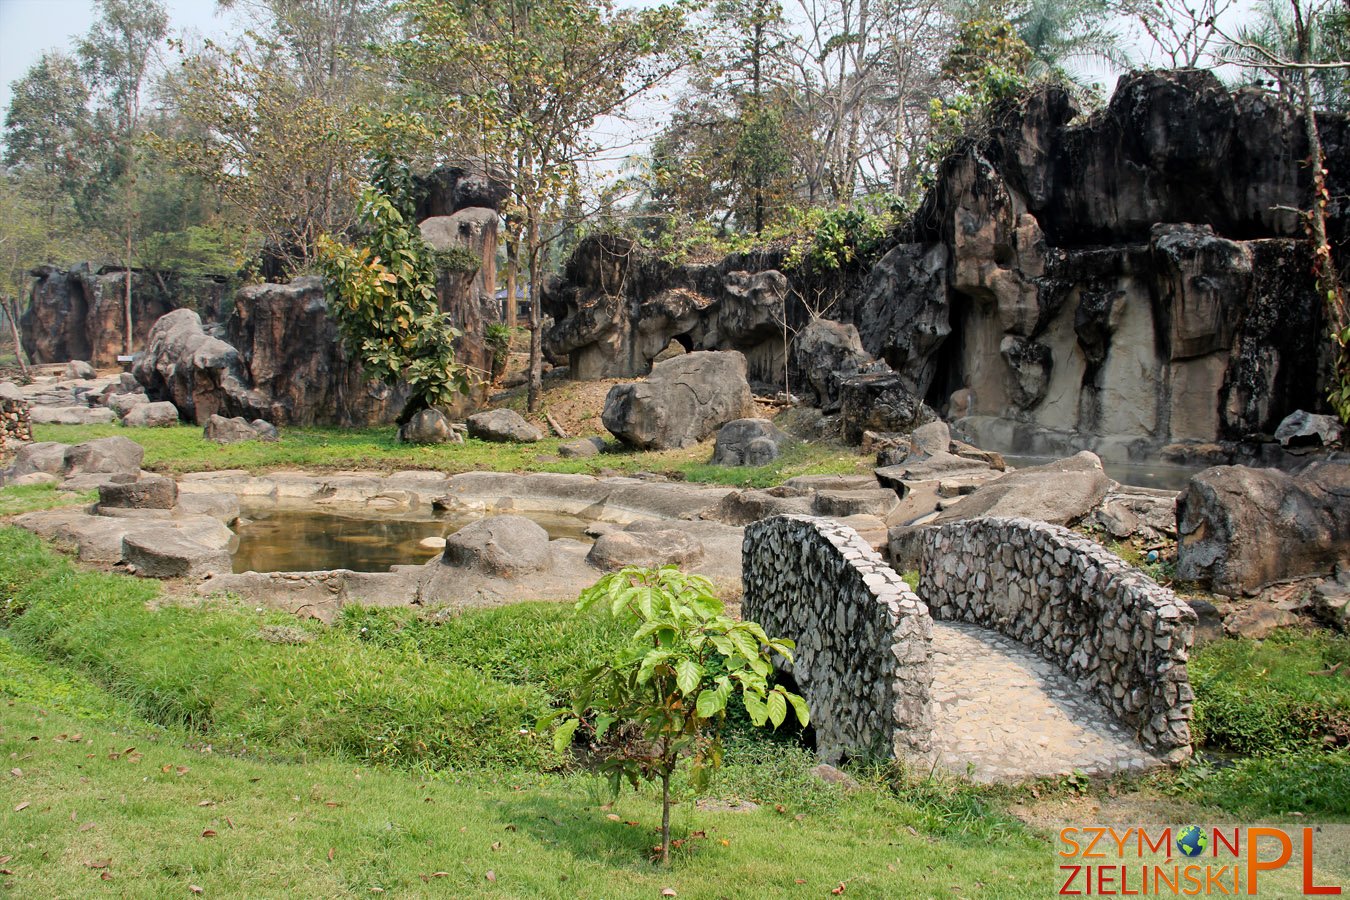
(288, 540)
(1162, 476)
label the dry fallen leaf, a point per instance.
(668, 892)
(98, 863)
(207, 803)
(21, 807)
(839, 890)
(613, 818)
(496, 845)
(208, 833)
(87, 826)
(17, 773)
(194, 888)
(491, 875)
(105, 876)
(440, 874)
(799, 881)
(332, 851)
(725, 842)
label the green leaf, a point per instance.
(602, 725)
(799, 706)
(710, 703)
(688, 674)
(562, 738)
(758, 710)
(777, 708)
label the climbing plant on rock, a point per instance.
(382, 294)
(674, 680)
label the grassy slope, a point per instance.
(182, 449)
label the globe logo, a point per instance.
(1192, 841)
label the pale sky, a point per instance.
(29, 28)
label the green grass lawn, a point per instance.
(209, 755)
(182, 448)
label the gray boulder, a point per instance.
(125, 402)
(429, 426)
(682, 402)
(11, 392)
(79, 370)
(266, 431)
(824, 353)
(581, 448)
(644, 544)
(880, 403)
(1304, 429)
(151, 415)
(229, 431)
(747, 442)
(1240, 529)
(104, 456)
(1061, 493)
(504, 546)
(503, 426)
(48, 457)
(150, 492)
(931, 439)
(200, 374)
(879, 502)
(744, 507)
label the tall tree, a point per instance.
(519, 85)
(116, 55)
(47, 131)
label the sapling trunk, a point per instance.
(665, 818)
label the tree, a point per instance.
(116, 55)
(382, 294)
(674, 680)
(519, 84)
(47, 131)
(1184, 32)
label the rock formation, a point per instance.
(686, 399)
(78, 313)
(1122, 282)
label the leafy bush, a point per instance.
(1312, 783)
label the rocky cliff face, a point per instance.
(1123, 283)
(78, 313)
(618, 306)
(1120, 282)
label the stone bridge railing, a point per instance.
(1125, 638)
(864, 655)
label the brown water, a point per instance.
(1148, 475)
(308, 540)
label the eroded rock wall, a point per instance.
(864, 656)
(1126, 639)
(79, 312)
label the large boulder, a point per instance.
(682, 402)
(880, 402)
(201, 375)
(747, 442)
(234, 431)
(504, 546)
(646, 544)
(104, 456)
(150, 415)
(824, 353)
(503, 426)
(125, 403)
(178, 552)
(1304, 429)
(45, 457)
(1240, 529)
(429, 426)
(79, 370)
(1060, 492)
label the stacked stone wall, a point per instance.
(864, 656)
(1125, 638)
(16, 426)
